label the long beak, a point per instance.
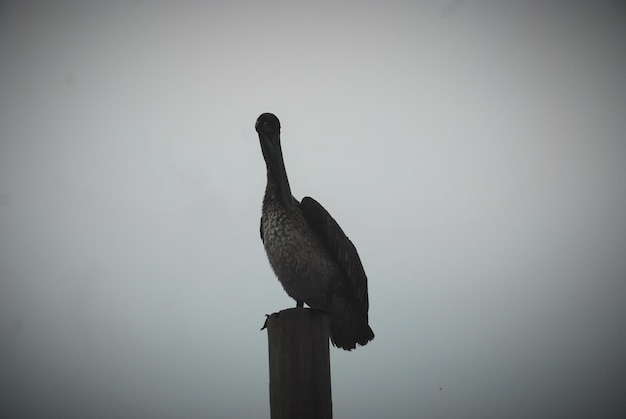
(275, 163)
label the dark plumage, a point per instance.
(312, 257)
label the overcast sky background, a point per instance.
(474, 151)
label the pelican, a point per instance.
(313, 259)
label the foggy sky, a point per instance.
(474, 152)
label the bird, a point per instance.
(314, 260)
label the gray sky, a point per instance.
(473, 151)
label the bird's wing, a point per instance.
(339, 247)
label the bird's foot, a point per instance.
(267, 316)
(299, 304)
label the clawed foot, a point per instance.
(267, 316)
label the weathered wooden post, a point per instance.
(299, 361)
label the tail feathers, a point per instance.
(345, 333)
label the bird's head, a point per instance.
(268, 124)
(268, 127)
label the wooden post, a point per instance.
(299, 364)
